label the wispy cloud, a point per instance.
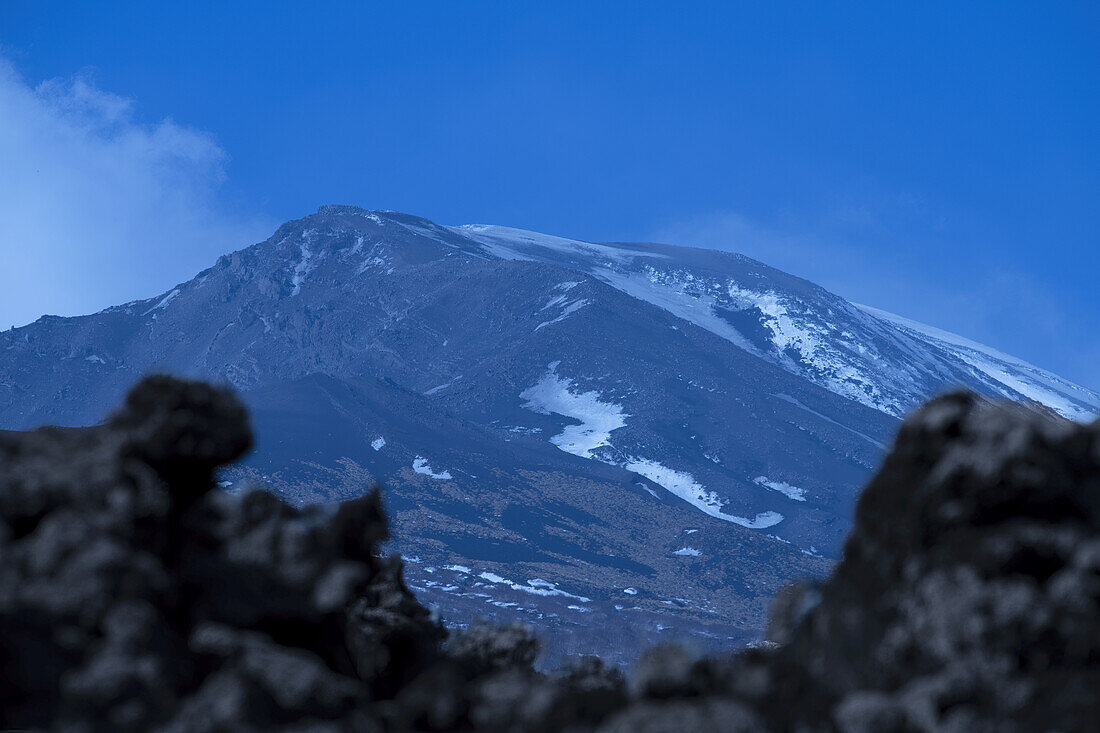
(97, 207)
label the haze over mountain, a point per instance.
(628, 436)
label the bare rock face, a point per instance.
(135, 596)
(968, 598)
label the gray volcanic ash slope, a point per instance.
(643, 437)
(134, 596)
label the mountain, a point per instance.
(617, 441)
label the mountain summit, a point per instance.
(633, 436)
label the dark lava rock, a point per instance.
(968, 598)
(134, 596)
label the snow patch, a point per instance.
(687, 488)
(369, 263)
(521, 429)
(441, 387)
(535, 586)
(791, 492)
(802, 341)
(378, 443)
(680, 301)
(556, 300)
(420, 465)
(518, 244)
(687, 552)
(552, 395)
(163, 302)
(304, 265)
(569, 310)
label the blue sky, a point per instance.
(937, 159)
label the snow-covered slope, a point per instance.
(1016, 378)
(875, 358)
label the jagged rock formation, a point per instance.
(135, 596)
(969, 594)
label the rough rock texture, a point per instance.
(134, 596)
(968, 598)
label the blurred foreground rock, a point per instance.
(134, 596)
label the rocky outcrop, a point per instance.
(135, 596)
(968, 598)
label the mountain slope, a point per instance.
(870, 356)
(652, 434)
